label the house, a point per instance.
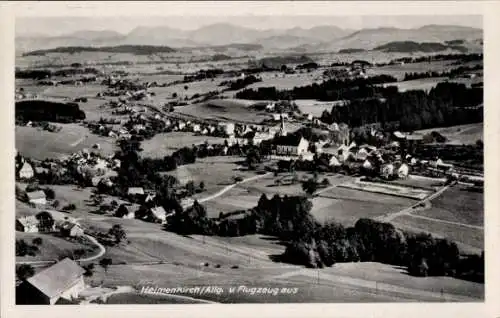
(227, 128)
(367, 165)
(40, 170)
(362, 154)
(37, 197)
(64, 280)
(334, 162)
(133, 191)
(387, 171)
(150, 197)
(291, 145)
(181, 125)
(196, 128)
(403, 171)
(27, 224)
(159, 213)
(70, 229)
(26, 171)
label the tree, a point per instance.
(105, 262)
(25, 271)
(89, 270)
(174, 95)
(55, 204)
(186, 87)
(50, 193)
(202, 186)
(37, 241)
(310, 186)
(118, 232)
(46, 221)
(190, 188)
(121, 211)
(79, 252)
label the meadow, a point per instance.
(164, 144)
(457, 204)
(459, 135)
(39, 144)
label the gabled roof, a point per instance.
(56, 279)
(288, 140)
(159, 212)
(39, 194)
(28, 221)
(66, 225)
(135, 190)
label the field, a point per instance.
(459, 135)
(165, 144)
(389, 189)
(347, 206)
(468, 239)
(425, 84)
(215, 172)
(233, 110)
(288, 81)
(399, 71)
(53, 247)
(457, 204)
(315, 108)
(39, 144)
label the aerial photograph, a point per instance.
(251, 159)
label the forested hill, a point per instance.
(410, 46)
(133, 49)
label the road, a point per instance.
(409, 210)
(101, 252)
(227, 188)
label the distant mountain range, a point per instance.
(317, 39)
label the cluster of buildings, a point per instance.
(66, 226)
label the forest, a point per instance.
(448, 104)
(39, 110)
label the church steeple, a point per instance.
(282, 126)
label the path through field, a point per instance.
(227, 188)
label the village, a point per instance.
(347, 174)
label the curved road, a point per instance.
(101, 252)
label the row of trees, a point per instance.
(451, 73)
(329, 90)
(316, 245)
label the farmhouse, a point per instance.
(70, 229)
(36, 197)
(26, 171)
(27, 224)
(132, 191)
(63, 280)
(403, 171)
(227, 128)
(291, 145)
(159, 213)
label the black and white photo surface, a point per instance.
(170, 159)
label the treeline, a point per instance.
(39, 110)
(447, 104)
(43, 74)
(241, 82)
(330, 90)
(133, 49)
(460, 58)
(451, 74)
(316, 245)
(202, 75)
(411, 46)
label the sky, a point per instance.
(57, 18)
